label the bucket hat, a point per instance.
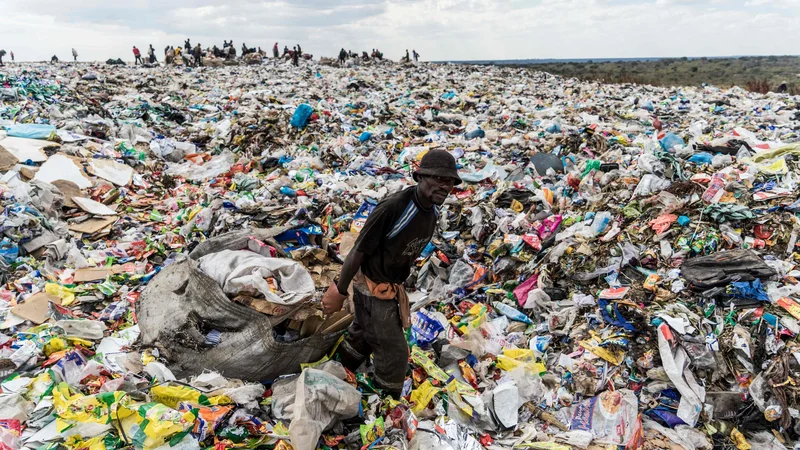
(438, 163)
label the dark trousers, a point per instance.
(138, 60)
(377, 330)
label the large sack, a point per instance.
(181, 305)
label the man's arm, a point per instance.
(349, 270)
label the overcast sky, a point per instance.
(437, 29)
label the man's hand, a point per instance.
(333, 300)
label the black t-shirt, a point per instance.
(396, 232)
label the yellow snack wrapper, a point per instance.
(66, 294)
(41, 386)
(77, 408)
(153, 425)
(456, 391)
(421, 359)
(422, 396)
(102, 442)
(172, 395)
(516, 357)
(738, 439)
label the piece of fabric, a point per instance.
(391, 292)
(394, 235)
(377, 330)
(245, 272)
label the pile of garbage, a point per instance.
(618, 268)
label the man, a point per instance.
(54, 59)
(299, 50)
(275, 50)
(198, 55)
(416, 56)
(394, 235)
(152, 54)
(187, 45)
(295, 57)
(12, 55)
(408, 59)
(285, 50)
(342, 56)
(138, 55)
(2, 53)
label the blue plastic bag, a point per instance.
(301, 116)
(701, 158)
(670, 140)
(425, 328)
(31, 131)
(475, 134)
(749, 290)
(8, 251)
(365, 136)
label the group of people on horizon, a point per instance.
(193, 56)
(3, 53)
(345, 54)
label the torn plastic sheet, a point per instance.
(676, 364)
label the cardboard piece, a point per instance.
(347, 242)
(27, 149)
(110, 170)
(7, 160)
(62, 167)
(337, 321)
(93, 225)
(69, 190)
(35, 307)
(273, 309)
(93, 207)
(96, 273)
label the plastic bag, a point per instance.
(173, 395)
(151, 425)
(301, 116)
(31, 131)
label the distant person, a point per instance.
(54, 59)
(138, 55)
(198, 55)
(169, 55)
(408, 59)
(2, 53)
(12, 55)
(299, 51)
(416, 56)
(187, 45)
(782, 88)
(295, 57)
(285, 50)
(275, 50)
(152, 54)
(74, 55)
(342, 56)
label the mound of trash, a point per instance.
(618, 268)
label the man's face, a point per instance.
(435, 188)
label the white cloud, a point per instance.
(438, 29)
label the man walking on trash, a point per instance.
(393, 236)
(138, 55)
(74, 55)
